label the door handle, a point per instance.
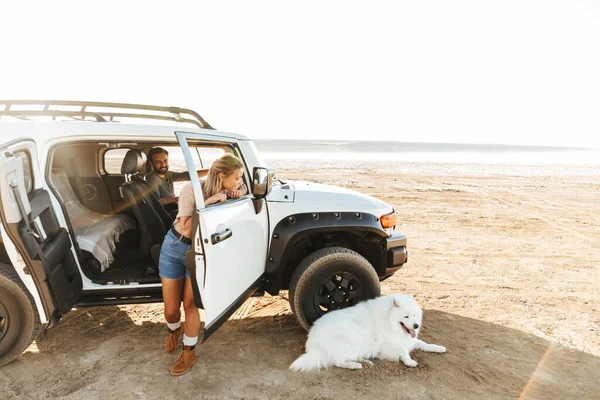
(220, 236)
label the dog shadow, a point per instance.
(114, 352)
(483, 361)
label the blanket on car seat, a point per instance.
(94, 232)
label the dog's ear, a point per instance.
(396, 303)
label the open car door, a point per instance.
(29, 220)
(229, 248)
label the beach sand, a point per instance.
(504, 260)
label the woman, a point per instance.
(224, 181)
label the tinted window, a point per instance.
(113, 158)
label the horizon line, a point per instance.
(428, 143)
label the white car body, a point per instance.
(252, 259)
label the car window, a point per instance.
(208, 155)
(203, 158)
(113, 159)
(27, 171)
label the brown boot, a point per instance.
(173, 339)
(186, 359)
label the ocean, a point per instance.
(377, 151)
(405, 158)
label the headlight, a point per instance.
(388, 220)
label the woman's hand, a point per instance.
(236, 194)
(216, 198)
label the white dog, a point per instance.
(386, 327)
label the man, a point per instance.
(160, 179)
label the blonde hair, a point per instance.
(227, 164)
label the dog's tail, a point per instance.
(310, 361)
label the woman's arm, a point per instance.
(216, 198)
(185, 224)
(241, 191)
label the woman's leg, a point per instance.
(171, 267)
(172, 290)
(172, 274)
(192, 316)
(187, 358)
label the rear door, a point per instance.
(230, 244)
(30, 222)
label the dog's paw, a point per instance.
(348, 364)
(368, 362)
(410, 363)
(440, 349)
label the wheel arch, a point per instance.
(12, 261)
(298, 235)
(17, 301)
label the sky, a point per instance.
(507, 72)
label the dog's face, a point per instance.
(406, 315)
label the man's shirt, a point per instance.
(164, 188)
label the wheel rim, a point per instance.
(4, 321)
(336, 291)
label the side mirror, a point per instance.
(262, 182)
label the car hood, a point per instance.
(328, 198)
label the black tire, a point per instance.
(19, 319)
(330, 279)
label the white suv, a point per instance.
(80, 227)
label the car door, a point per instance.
(230, 244)
(30, 222)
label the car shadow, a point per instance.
(106, 352)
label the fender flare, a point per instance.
(296, 226)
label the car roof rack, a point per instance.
(98, 111)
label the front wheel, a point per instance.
(330, 279)
(19, 320)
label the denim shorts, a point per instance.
(171, 264)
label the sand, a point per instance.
(504, 260)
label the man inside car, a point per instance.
(160, 180)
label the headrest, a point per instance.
(133, 162)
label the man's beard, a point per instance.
(161, 170)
